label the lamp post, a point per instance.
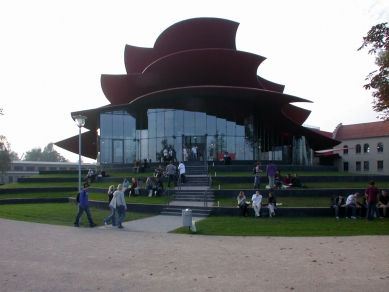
(80, 122)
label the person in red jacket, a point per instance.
(371, 194)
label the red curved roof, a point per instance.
(190, 34)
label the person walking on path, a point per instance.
(372, 194)
(271, 170)
(257, 179)
(257, 202)
(83, 205)
(171, 171)
(113, 210)
(181, 168)
(119, 203)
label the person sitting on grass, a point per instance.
(296, 181)
(242, 203)
(158, 172)
(288, 180)
(158, 187)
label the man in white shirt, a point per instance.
(257, 201)
(194, 152)
(351, 203)
(181, 168)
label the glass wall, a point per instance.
(122, 142)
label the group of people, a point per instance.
(371, 202)
(275, 178)
(94, 176)
(192, 153)
(256, 202)
(169, 155)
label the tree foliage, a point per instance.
(48, 154)
(378, 39)
(5, 157)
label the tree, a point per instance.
(48, 154)
(378, 38)
(5, 158)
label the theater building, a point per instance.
(195, 88)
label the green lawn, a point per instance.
(289, 226)
(58, 214)
(300, 173)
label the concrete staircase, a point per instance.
(194, 194)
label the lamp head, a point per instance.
(80, 120)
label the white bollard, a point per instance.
(219, 187)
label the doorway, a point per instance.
(199, 142)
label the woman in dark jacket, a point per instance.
(272, 204)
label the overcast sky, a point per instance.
(52, 54)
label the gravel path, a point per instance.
(39, 257)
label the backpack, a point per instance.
(78, 198)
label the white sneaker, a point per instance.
(337, 217)
(353, 217)
(105, 223)
(346, 217)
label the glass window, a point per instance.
(160, 123)
(366, 148)
(117, 126)
(117, 146)
(380, 165)
(221, 125)
(153, 149)
(231, 128)
(231, 144)
(105, 151)
(152, 121)
(239, 148)
(380, 147)
(169, 123)
(366, 165)
(106, 125)
(200, 123)
(211, 125)
(189, 123)
(345, 151)
(129, 127)
(178, 123)
(345, 166)
(358, 166)
(239, 130)
(358, 148)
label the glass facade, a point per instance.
(124, 138)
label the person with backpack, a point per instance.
(256, 172)
(83, 205)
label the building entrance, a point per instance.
(199, 142)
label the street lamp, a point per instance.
(80, 122)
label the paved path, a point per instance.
(39, 257)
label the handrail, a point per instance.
(167, 201)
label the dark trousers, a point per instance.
(243, 207)
(79, 214)
(172, 177)
(370, 210)
(183, 178)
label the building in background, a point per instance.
(195, 88)
(364, 148)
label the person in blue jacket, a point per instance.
(83, 205)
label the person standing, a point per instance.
(113, 210)
(185, 153)
(257, 201)
(257, 179)
(372, 194)
(194, 152)
(119, 203)
(271, 170)
(181, 168)
(171, 170)
(83, 205)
